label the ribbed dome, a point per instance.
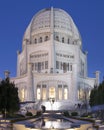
(53, 18)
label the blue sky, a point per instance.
(15, 16)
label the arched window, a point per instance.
(63, 40)
(22, 94)
(68, 40)
(35, 41)
(46, 38)
(60, 92)
(38, 92)
(57, 38)
(40, 39)
(39, 66)
(57, 64)
(64, 67)
(46, 64)
(44, 91)
(61, 65)
(68, 66)
(52, 92)
(65, 92)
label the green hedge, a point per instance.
(74, 113)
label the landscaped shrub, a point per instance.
(29, 113)
(14, 116)
(66, 113)
(19, 116)
(38, 113)
(43, 108)
(74, 113)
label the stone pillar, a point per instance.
(30, 89)
(97, 75)
(74, 89)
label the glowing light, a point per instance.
(38, 93)
(52, 92)
(65, 93)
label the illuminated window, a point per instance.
(79, 94)
(38, 92)
(52, 92)
(44, 92)
(65, 92)
(22, 94)
(59, 92)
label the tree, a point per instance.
(97, 95)
(93, 95)
(9, 100)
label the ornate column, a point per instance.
(30, 89)
(62, 91)
(97, 75)
(74, 89)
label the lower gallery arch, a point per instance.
(52, 92)
(57, 90)
(22, 91)
(84, 90)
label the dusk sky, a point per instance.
(15, 15)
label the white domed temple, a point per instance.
(52, 68)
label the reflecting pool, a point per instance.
(50, 123)
(54, 122)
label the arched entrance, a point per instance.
(52, 92)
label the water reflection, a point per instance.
(51, 124)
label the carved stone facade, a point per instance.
(52, 65)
